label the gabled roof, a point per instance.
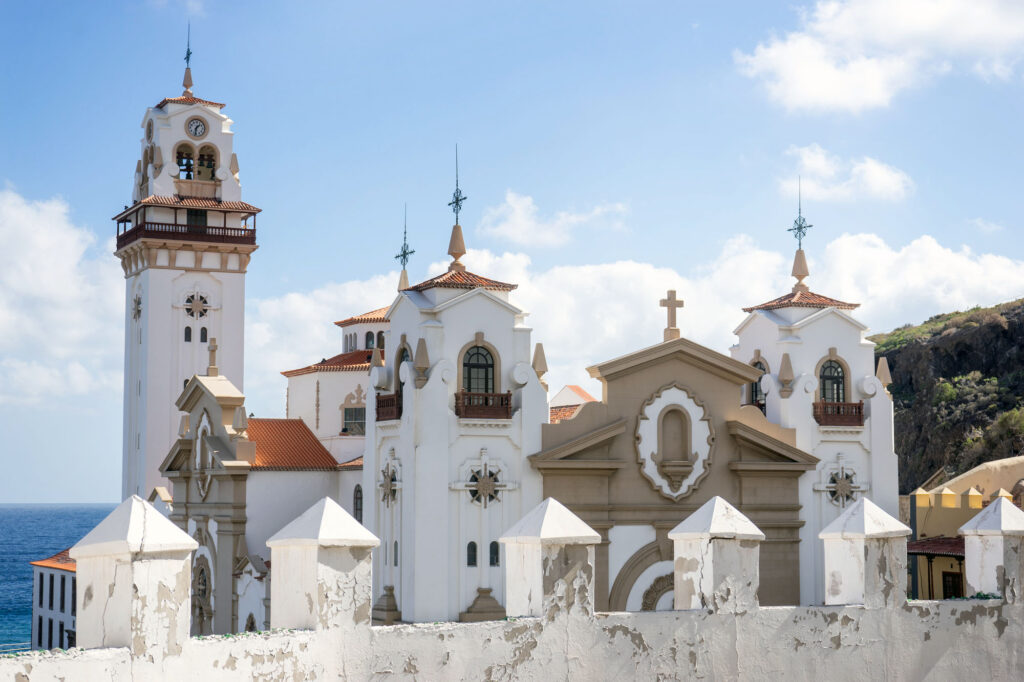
(372, 317)
(188, 100)
(287, 444)
(562, 412)
(940, 545)
(712, 361)
(802, 299)
(353, 361)
(352, 465)
(61, 561)
(461, 279)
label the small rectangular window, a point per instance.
(74, 595)
(39, 631)
(63, 585)
(355, 421)
(60, 636)
(40, 591)
(49, 633)
(51, 592)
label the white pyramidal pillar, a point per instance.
(134, 580)
(716, 551)
(994, 551)
(865, 557)
(549, 563)
(321, 570)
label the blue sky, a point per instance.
(609, 151)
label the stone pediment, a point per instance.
(578, 454)
(761, 452)
(685, 350)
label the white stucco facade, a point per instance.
(793, 343)
(433, 511)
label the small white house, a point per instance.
(53, 602)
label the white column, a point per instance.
(994, 551)
(321, 571)
(549, 562)
(717, 550)
(134, 582)
(865, 557)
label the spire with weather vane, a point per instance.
(403, 255)
(456, 245)
(187, 81)
(799, 230)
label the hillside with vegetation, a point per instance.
(958, 390)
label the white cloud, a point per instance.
(61, 298)
(585, 314)
(826, 177)
(855, 55)
(986, 226)
(517, 221)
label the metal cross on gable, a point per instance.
(800, 226)
(403, 255)
(484, 483)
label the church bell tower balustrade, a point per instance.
(839, 414)
(194, 233)
(483, 405)
(197, 189)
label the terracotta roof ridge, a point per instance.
(376, 315)
(185, 99)
(461, 279)
(802, 299)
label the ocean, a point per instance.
(29, 532)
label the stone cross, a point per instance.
(671, 302)
(212, 370)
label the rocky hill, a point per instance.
(958, 389)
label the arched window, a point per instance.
(202, 335)
(206, 169)
(250, 623)
(186, 161)
(369, 340)
(380, 340)
(833, 385)
(188, 334)
(495, 553)
(478, 370)
(756, 394)
(471, 554)
(395, 553)
(403, 356)
(674, 436)
(357, 503)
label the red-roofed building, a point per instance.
(54, 588)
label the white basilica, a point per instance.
(431, 425)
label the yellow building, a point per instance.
(936, 550)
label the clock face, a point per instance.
(196, 127)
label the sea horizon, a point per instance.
(30, 531)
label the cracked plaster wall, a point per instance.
(939, 640)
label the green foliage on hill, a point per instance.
(958, 390)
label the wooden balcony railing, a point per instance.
(192, 233)
(483, 405)
(839, 414)
(389, 406)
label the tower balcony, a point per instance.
(186, 232)
(483, 405)
(839, 414)
(389, 406)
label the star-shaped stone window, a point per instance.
(196, 305)
(483, 485)
(841, 486)
(137, 307)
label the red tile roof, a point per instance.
(563, 412)
(188, 100)
(195, 202)
(354, 361)
(373, 316)
(802, 299)
(460, 279)
(356, 463)
(61, 560)
(940, 545)
(288, 445)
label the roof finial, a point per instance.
(800, 226)
(403, 255)
(799, 230)
(187, 81)
(457, 246)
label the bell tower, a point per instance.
(184, 244)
